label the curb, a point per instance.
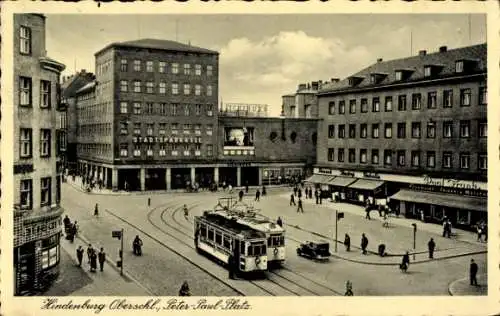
(450, 291)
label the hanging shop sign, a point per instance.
(325, 170)
(347, 173)
(372, 175)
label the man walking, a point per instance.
(240, 194)
(299, 207)
(347, 242)
(364, 243)
(102, 258)
(431, 245)
(257, 195)
(79, 255)
(295, 190)
(90, 250)
(316, 194)
(279, 222)
(473, 272)
(93, 261)
(96, 210)
(292, 200)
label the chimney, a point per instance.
(422, 53)
(443, 49)
(379, 60)
(302, 86)
(308, 86)
(335, 79)
(314, 85)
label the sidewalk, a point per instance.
(462, 287)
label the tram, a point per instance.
(219, 238)
(247, 216)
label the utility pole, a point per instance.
(121, 254)
(336, 227)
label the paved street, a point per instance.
(169, 257)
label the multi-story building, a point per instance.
(412, 129)
(37, 214)
(304, 102)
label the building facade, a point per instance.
(37, 214)
(304, 102)
(413, 130)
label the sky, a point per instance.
(263, 57)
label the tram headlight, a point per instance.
(275, 251)
(257, 260)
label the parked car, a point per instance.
(314, 250)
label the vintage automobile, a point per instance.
(314, 250)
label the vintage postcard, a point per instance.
(318, 159)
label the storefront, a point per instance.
(320, 181)
(204, 176)
(271, 176)
(180, 178)
(337, 187)
(362, 191)
(129, 179)
(155, 179)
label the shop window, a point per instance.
(50, 257)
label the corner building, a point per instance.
(37, 178)
(411, 131)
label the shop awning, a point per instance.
(341, 181)
(319, 178)
(365, 184)
(449, 200)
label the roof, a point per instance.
(161, 45)
(450, 200)
(415, 64)
(86, 87)
(71, 86)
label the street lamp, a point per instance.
(414, 238)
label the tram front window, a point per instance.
(276, 241)
(256, 249)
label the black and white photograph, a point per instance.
(245, 155)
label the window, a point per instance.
(352, 155)
(186, 128)
(123, 128)
(150, 87)
(427, 71)
(210, 150)
(388, 104)
(187, 89)
(150, 129)
(388, 130)
(175, 128)
(162, 128)
(174, 109)
(25, 88)
(363, 155)
(401, 130)
(209, 90)
(197, 109)
(137, 86)
(123, 150)
(137, 151)
(375, 156)
(432, 100)
(482, 129)
(341, 131)
(25, 40)
(137, 128)
(26, 194)
(163, 108)
(45, 143)
(341, 107)
(149, 66)
(187, 69)
(45, 190)
(45, 94)
(464, 129)
(331, 107)
(448, 129)
(340, 155)
(137, 108)
(352, 106)
(50, 257)
(175, 68)
(482, 162)
(376, 105)
(331, 154)
(401, 158)
(149, 150)
(402, 103)
(387, 157)
(464, 160)
(209, 110)
(162, 67)
(448, 98)
(431, 159)
(465, 96)
(447, 162)
(123, 86)
(459, 66)
(375, 131)
(175, 88)
(186, 150)
(483, 96)
(415, 158)
(162, 87)
(331, 131)
(137, 65)
(210, 129)
(415, 130)
(187, 112)
(162, 150)
(399, 75)
(197, 89)
(352, 130)
(26, 143)
(197, 129)
(197, 70)
(209, 70)
(363, 130)
(416, 101)
(123, 107)
(364, 105)
(431, 130)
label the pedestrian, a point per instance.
(348, 286)
(93, 261)
(292, 200)
(257, 195)
(306, 192)
(246, 187)
(79, 255)
(431, 245)
(264, 192)
(405, 262)
(230, 188)
(364, 243)
(279, 222)
(240, 194)
(295, 190)
(320, 193)
(149, 201)
(347, 242)
(473, 272)
(102, 258)
(184, 291)
(310, 193)
(299, 193)
(186, 211)
(66, 222)
(316, 195)
(96, 210)
(367, 210)
(89, 252)
(299, 207)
